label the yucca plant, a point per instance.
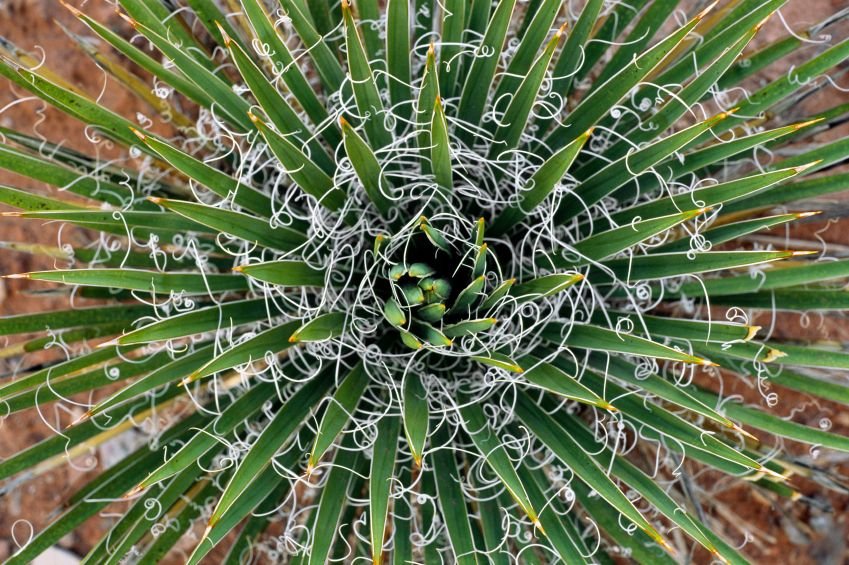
(459, 281)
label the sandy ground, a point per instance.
(781, 532)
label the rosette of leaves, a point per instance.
(426, 280)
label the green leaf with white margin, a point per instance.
(274, 435)
(499, 361)
(366, 93)
(278, 109)
(425, 103)
(584, 336)
(440, 149)
(452, 501)
(209, 318)
(775, 425)
(398, 49)
(548, 377)
(610, 242)
(729, 232)
(515, 119)
(778, 276)
(283, 273)
(243, 226)
(544, 286)
(380, 481)
(620, 172)
(451, 29)
(415, 414)
(323, 327)
(273, 340)
(665, 265)
(367, 168)
(654, 416)
(334, 497)
(695, 330)
(618, 368)
(607, 95)
(300, 168)
(482, 70)
(231, 416)
(564, 446)
(261, 499)
(290, 72)
(220, 183)
(540, 185)
(791, 299)
(340, 409)
(648, 488)
(553, 518)
(709, 195)
(163, 375)
(490, 447)
(144, 281)
(222, 94)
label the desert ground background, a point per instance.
(776, 530)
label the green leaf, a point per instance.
(271, 341)
(220, 183)
(515, 119)
(339, 412)
(690, 330)
(605, 96)
(367, 168)
(603, 245)
(321, 328)
(594, 338)
(468, 295)
(544, 286)
(440, 149)
(60, 176)
(76, 317)
(366, 93)
(283, 273)
(274, 435)
(334, 496)
(489, 445)
(620, 172)
(499, 361)
(231, 415)
(777, 277)
(547, 376)
(664, 265)
(300, 168)
(290, 72)
(163, 375)
(398, 51)
(380, 481)
(540, 185)
(570, 60)
(144, 281)
(453, 25)
(729, 232)
(205, 319)
(650, 490)
(234, 106)
(482, 70)
(468, 327)
(564, 446)
(791, 299)
(244, 226)
(452, 501)
(415, 414)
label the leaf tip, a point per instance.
(752, 332)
